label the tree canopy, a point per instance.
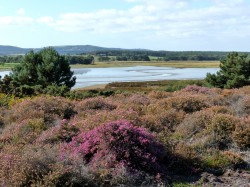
(234, 72)
(41, 70)
(44, 68)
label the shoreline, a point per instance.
(173, 64)
(93, 87)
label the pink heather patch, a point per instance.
(134, 147)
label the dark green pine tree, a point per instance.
(44, 68)
(234, 72)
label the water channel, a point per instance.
(94, 76)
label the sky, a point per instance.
(174, 25)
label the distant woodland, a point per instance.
(132, 55)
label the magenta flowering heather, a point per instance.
(126, 144)
(196, 89)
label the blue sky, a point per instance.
(211, 25)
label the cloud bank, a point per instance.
(159, 19)
(174, 18)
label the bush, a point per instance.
(24, 132)
(242, 106)
(176, 85)
(187, 103)
(221, 129)
(241, 135)
(184, 160)
(48, 108)
(38, 166)
(115, 144)
(196, 89)
(94, 104)
(217, 162)
(167, 120)
(194, 124)
(63, 132)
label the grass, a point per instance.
(7, 66)
(177, 64)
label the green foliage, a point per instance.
(80, 59)
(133, 58)
(11, 59)
(180, 84)
(234, 72)
(104, 58)
(44, 68)
(165, 55)
(42, 72)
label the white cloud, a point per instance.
(158, 18)
(15, 20)
(165, 18)
(21, 12)
(45, 19)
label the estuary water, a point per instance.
(94, 76)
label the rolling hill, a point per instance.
(68, 49)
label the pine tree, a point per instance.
(44, 68)
(234, 72)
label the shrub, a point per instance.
(220, 109)
(184, 160)
(50, 109)
(221, 129)
(118, 143)
(166, 120)
(90, 119)
(196, 89)
(55, 90)
(194, 124)
(139, 99)
(8, 100)
(187, 103)
(159, 94)
(217, 162)
(241, 135)
(242, 106)
(175, 85)
(24, 132)
(94, 104)
(38, 166)
(63, 132)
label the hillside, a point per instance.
(12, 50)
(69, 49)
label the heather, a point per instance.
(128, 138)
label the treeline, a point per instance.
(11, 59)
(130, 55)
(71, 59)
(133, 58)
(80, 59)
(134, 55)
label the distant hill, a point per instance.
(68, 49)
(78, 49)
(12, 50)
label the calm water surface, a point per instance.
(94, 76)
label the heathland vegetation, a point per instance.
(165, 133)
